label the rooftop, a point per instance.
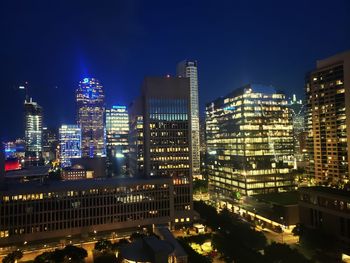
(282, 198)
(145, 249)
(76, 185)
(327, 190)
(28, 172)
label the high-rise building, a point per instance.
(70, 144)
(33, 129)
(117, 130)
(188, 69)
(136, 160)
(250, 143)
(165, 109)
(297, 108)
(328, 121)
(50, 143)
(90, 117)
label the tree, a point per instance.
(44, 258)
(137, 235)
(200, 186)
(57, 255)
(298, 230)
(282, 253)
(13, 256)
(76, 254)
(103, 245)
(193, 256)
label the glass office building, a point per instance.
(249, 143)
(70, 144)
(91, 117)
(33, 129)
(117, 131)
(165, 109)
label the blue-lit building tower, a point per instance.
(70, 144)
(90, 117)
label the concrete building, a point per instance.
(249, 143)
(34, 211)
(33, 130)
(91, 117)
(328, 211)
(328, 111)
(97, 167)
(70, 144)
(76, 172)
(189, 69)
(117, 130)
(166, 137)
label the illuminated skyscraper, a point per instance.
(297, 108)
(136, 155)
(328, 119)
(70, 144)
(90, 117)
(164, 106)
(33, 129)
(250, 143)
(117, 130)
(188, 69)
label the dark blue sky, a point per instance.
(53, 44)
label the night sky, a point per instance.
(53, 44)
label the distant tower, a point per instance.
(33, 129)
(188, 69)
(117, 130)
(70, 144)
(90, 117)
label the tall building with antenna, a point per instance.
(90, 117)
(249, 143)
(189, 69)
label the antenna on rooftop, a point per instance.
(25, 87)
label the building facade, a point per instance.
(50, 143)
(117, 131)
(136, 155)
(249, 143)
(91, 117)
(298, 109)
(165, 111)
(326, 210)
(33, 130)
(328, 111)
(189, 69)
(70, 144)
(32, 212)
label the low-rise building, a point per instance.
(33, 211)
(76, 172)
(327, 210)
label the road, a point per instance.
(32, 251)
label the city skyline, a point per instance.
(187, 131)
(120, 55)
